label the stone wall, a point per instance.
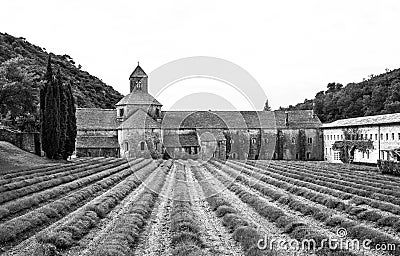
(28, 141)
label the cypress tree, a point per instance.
(51, 117)
(43, 90)
(71, 123)
(63, 113)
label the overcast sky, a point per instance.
(292, 48)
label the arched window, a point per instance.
(234, 156)
(142, 146)
(253, 141)
(121, 112)
(139, 85)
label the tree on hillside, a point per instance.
(71, 123)
(58, 120)
(266, 106)
(18, 97)
(63, 113)
(51, 116)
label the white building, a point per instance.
(382, 130)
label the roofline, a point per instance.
(102, 109)
(343, 126)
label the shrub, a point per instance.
(186, 238)
(233, 221)
(224, 209)
(246, 236)
(370, 215)
(187, 250)
(389, 221)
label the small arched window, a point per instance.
(142, 146)
(139, 85)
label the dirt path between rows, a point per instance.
(156, 237)
(215, 236)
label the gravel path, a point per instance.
(156, 238)
(215, 236)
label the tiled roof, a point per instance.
(138, 72)
(180, 140)
(96, 118)
(365, 120)
(138, 98)
(297, 119)
(212, 135)
(96, 142)
(238, 119)
(139, 119)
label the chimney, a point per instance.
(286, 118)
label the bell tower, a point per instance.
(138, 80)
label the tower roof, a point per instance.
(138, 98)
(138, 72)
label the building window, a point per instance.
(399, 136)
(142, 145)
(297, 156)
(326, 151)
(362, 136)
(309, 140)
(330, 151)
(126, 146)
(253, 141)
(376, 136)
(392, 136)
(363, 155)
(388, 156)
(331, 137)
(121, 112)
(367, 154)
(381, 136)
(387, 136)
(234, 156)
(293, 140)
(370, 136)
(341, 137)
(336, 156)
(139, 85)
(308, 155)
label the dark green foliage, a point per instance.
(22, 72)
(375, 96)
(247, 236)
(58, 120)
(51, 116)
(389, 167)
(63, 114)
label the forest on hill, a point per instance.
(378, 95)
(22, 69)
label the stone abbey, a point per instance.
(138, 127)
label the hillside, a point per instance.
(14, 158)
(89, 90)
(378, 95)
